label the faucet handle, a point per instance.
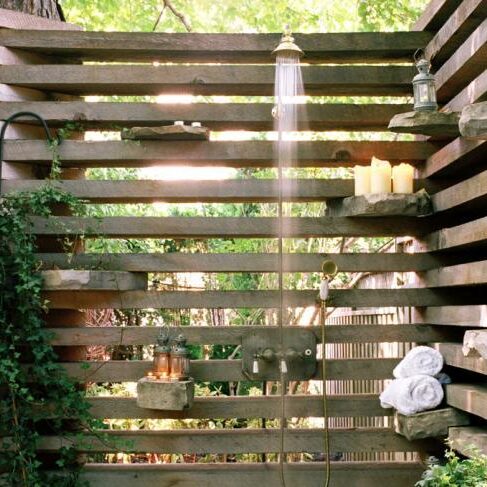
(283, 366)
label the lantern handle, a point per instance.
(418, 54)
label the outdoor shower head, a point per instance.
(287, 45)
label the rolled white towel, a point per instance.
(419, 360)
(412, 395)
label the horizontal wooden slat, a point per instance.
(468, 197)
(223, 370)
(254, 262)
(436, 14)
(215, 116)
(232, 154)
(262, 299)
(475, 92)
(464, 438)
(309, 474)
(469, 234)
(206, 80)
(221, 227)
(453, 355)
(468, 15)
(232, 335)
(468, 61)
(471, 398)
(363, 47)
(462, 316)
(474, 273)
(244, 407)
(461, 157)
(240, 441)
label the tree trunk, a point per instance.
(48, 9)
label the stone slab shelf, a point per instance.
(377, 205)
(81, 280)
(473, 122)
(429, 424)
(166, 132)
(165, 395)
(436, 124)
(462, 439)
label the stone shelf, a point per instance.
(166, 132)
(473, 122)
(436, 124)
(376, 205)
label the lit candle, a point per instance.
(150, 376)
(362, 180)
(380, 176)
(402, 178)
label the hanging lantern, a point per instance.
(162, 356)
(179, 359)
(424, 85)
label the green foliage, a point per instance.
(471, 472)
(40, 394)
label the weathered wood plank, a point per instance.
(263, 299)
(233, 154)
(466, 18)
(464, 438)
(216, 116)
(471, 398)
(11, 19)
(460, 157)
(309, 474)
(435, 15)
(476, 91)
(468, 197)
(206, 80)
(244, 407)
(461, 316)
(240, 441)
(337, 48)
(453, 356)
(472, 274)
(463, 236)
(232, 335)
(224, 370)
(468, 62)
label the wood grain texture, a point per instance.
(363, 47)
(472, 274)
(219, 153)
(343, 474)
(468, 62)
(244, 407)
(253, 262)
(453, 356)
(475, 91)
(215, 116)
(435, 14)
(223, 370)
(241, 441)
(232, 335)
(464, 438)
(263, 299)
(470, 234)
(461, 316)
(471, 398)
(207, 80)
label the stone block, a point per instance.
(389, 204)
(473, 122)
(437, 124)
(166, 132)
(475, 343)
(429, 424)
(165, 395)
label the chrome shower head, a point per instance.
(287, 45)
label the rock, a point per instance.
(426, 123)
(165, 395)
(475, 343)
(166, 132)
(75, 280)
(473, 122)
(388, 204)
(430, 424)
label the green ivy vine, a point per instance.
(38, 397)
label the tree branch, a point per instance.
(174, 11)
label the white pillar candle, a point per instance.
(362, 180)
(402, 178)
(380, 176)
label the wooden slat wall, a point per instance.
(452, 32)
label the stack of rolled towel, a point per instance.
(416, 387)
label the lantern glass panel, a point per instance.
(179, 367)
(161, 364)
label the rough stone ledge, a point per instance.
(166, 132)
(437, 124)
(473, 122)
(165, 395)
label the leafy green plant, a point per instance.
(470, 472)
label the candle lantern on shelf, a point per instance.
(424, 85)
(162, 350)
(179, 359)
